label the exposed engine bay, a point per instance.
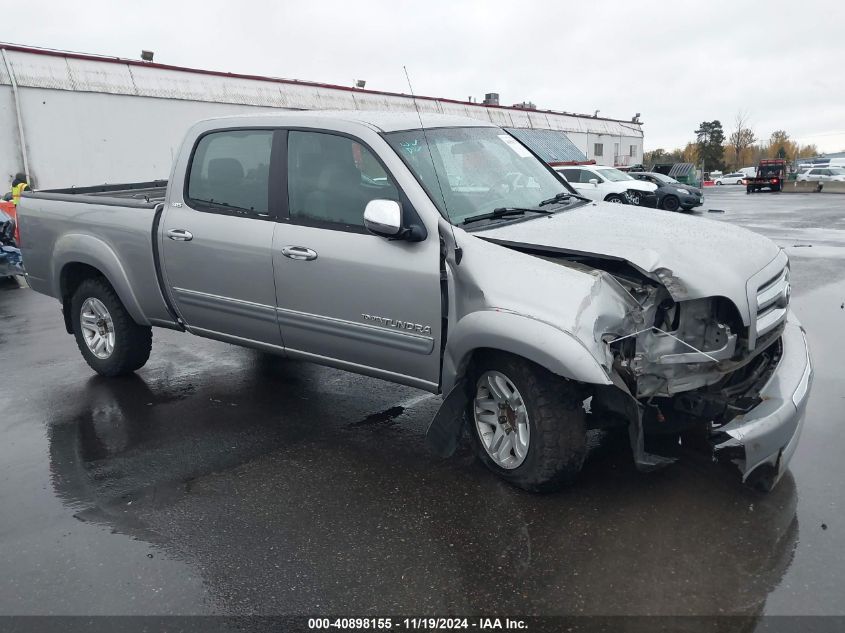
(677, 365)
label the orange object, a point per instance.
(10, 210)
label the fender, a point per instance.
(73, 248)
(540, 342)
(553, 348)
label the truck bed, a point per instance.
(113, 228)
(134, 194)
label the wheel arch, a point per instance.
(493, 330)
(80, 257)
(614, 194)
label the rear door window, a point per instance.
(230, 172)
(572, 175)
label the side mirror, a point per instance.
(594, 182)
(383, 218)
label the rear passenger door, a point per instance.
(346, 297)
(576, 178)
(216, 238)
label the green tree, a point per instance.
(710, 145)
(781, 146)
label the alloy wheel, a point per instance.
(97, 327)
(501, 420)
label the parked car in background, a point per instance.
(671, 194)
(822, 174)
(734, 178)
(598, 182)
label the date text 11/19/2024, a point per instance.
(417, 624)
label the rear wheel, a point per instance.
(671, 203)
(719, 183)
(615, 198)
(110, 341)
(526, 424)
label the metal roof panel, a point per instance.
(553, 146)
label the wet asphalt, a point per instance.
(221, 481)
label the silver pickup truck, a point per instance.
(440, 252)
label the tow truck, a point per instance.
(771, 172)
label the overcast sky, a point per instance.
(676, 63)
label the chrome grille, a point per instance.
(772, 302)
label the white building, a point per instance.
(72, 119)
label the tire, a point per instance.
(636, 199)
(615, 198)
(555, 442)
(105, 316)
(719, 183)
(671, 203)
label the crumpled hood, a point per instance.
(697, 257)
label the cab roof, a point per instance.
(378, 120)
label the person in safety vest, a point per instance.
(19, 184)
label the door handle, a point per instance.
(180, 235)
(299, 252)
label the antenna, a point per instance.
(434, 167)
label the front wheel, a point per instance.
(615, 199)
(110, 341)
(526, 424)
(671, 203)
(719, 183)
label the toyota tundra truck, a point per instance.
(442, 253)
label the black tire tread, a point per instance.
(133, 342)
(676, 203)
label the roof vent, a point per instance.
(491, 99)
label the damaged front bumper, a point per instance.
(762, 440)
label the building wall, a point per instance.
(616, 148)
(90, 120)
(87, 138)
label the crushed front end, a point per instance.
(696, 368)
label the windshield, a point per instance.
(479, 169)
(614, 175)
(665, 179)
